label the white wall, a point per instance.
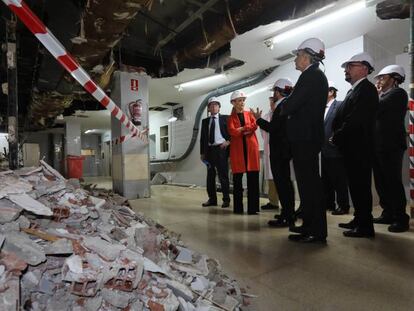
(191, 170)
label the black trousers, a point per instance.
(280, 167)
(334, 182)
(252, 192)
(218, 159)
(388, 182)
(358, 166)
(306, 163)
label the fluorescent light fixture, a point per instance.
(199, 81)
(317, 22)
(260, 90)
(90, 131)
(172, 119)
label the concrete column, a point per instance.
(130, 160)
(73, 138)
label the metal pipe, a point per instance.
(246, 82)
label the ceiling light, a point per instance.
(199, 81)
(172, 119)
(90, 131)
(334, 16)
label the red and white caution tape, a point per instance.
(53, 45)
(411, 147)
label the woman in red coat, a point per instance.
(244, 155)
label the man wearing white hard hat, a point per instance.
(214, 140)
(244, 154)
(333, 172)
(305, 109)
(390, 145)
(280, 153)
(353, 134)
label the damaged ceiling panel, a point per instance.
(162, 37)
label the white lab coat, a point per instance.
(266, 150)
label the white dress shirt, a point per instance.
(218, 138)
(328, 105)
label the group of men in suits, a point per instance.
(363, 133)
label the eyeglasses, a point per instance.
(350, 65)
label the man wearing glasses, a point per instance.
(353, 130)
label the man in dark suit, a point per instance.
(353, 129)
(280, 155)
(214, 141)
(390, 144)
(332, 162)
(304, 109)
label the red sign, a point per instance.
(134, 85)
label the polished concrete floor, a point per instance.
(347, 274)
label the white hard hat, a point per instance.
(312, 46)
(364, 58)
(213, 100)
(332, 85)
(284, 84)
(237, 94)
(396, 71)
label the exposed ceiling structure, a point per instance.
(159, 36)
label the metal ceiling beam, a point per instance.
(186, 23)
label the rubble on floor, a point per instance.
(67, 248)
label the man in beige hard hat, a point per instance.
(304, 109)
(214, 142)
(390, 145)
(353, 134)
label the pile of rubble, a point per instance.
(64, 249)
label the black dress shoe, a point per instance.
(297, 229)
(279, 223)
(348, 225)
(340, 211)
(269, 206)
(225, 204)
(209, 203)
(398, 227)
(383, 220)
(307, 239)
(359, 233)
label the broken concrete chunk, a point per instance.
(185, 255)
(48, 170)
(8, 211)
(105, 249)
(60, 247)
(28, 203)
(116, 298)
(10, 297)
(93, 304)
(74, 263)
(24, 248)
(200, 284)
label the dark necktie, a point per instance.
(211, 136)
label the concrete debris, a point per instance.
(63, 247)
(28, 203)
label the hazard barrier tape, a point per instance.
(45, 36)
(411, 150)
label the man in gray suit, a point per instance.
(332, 162)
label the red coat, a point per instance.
(236, 143)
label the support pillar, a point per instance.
(72, 140)
(130, 159)
(12, 102)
